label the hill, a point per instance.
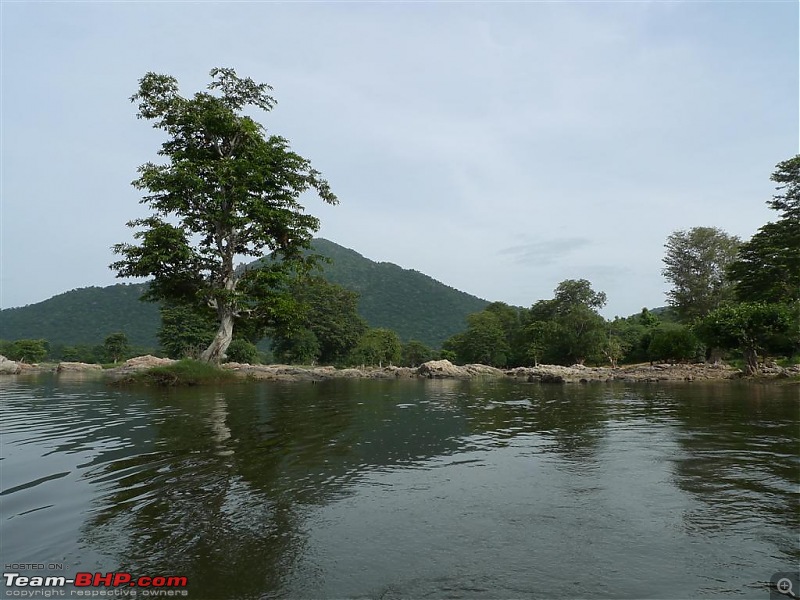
(86, 316)
(412, 304)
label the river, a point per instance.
(405, 489)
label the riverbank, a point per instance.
(132, 370)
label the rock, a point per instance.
(441, 369)
(9, 367)
(76, 367)
(139, 363)
(436, 369)
(146, 362)
(476, 370)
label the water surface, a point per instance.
(407, 489)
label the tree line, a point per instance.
(727, 297)
(229, 189)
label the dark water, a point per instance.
(407, 489)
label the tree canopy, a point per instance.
(767, 268)
(750, 327)
(328, 327)
(227, 190)
(695, 263)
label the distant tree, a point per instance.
(6, 348)
(613, 349)
(232, 190)
(327, 310)
(377, 347)
(767, 268)
(568, 328)
(116, 346)
(674, 343)
(299, 346)
(484, 340)
(448, 355)
(580, 335)
(574, 292)
(70, 354)
(648, 319)
(538, 335)
(634, 334)
(414, 353)
(29, 351)
(750, 327)
(512, 321)
(185, 329)
(242, 351)
(696, 262)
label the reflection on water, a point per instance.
(407, 488)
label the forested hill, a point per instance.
(85, 316)
(412, 304)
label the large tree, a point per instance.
(696, 262)
(328, 326)
(767, 268)
(484, 340)
(568, 328)
(227, 190)
(750, 327)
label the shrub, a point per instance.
(242, 351)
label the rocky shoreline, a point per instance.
(437, 369)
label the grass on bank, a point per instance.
(183, 372)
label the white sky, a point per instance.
(497, 147)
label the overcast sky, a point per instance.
(497, 147)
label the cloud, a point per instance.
(545, 252)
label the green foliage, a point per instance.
(377, 347)
(183, 372)
(448, 355)
(327, 327)
(28, 351)
(414, 305)
(242, 351)
(648, 319)
(579, 335)
(751, 327)
(674, 343)
(85, 316)
(6, 348)
(511, 322)
(185, 330)
(696, 262)
(633, 335)
(567, 329)
(484, 341)
(116, 346)
(767, 268)
(538, 335)
(494, 336)
(410, 303)
(614, 349)
(231, 191)
(577, 292)
(299, 347)
(415, 353)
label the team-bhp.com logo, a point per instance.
(33, 586)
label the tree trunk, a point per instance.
(216, 350)
(751, 361)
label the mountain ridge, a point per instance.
(407, 301)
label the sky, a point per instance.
(499, 147)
